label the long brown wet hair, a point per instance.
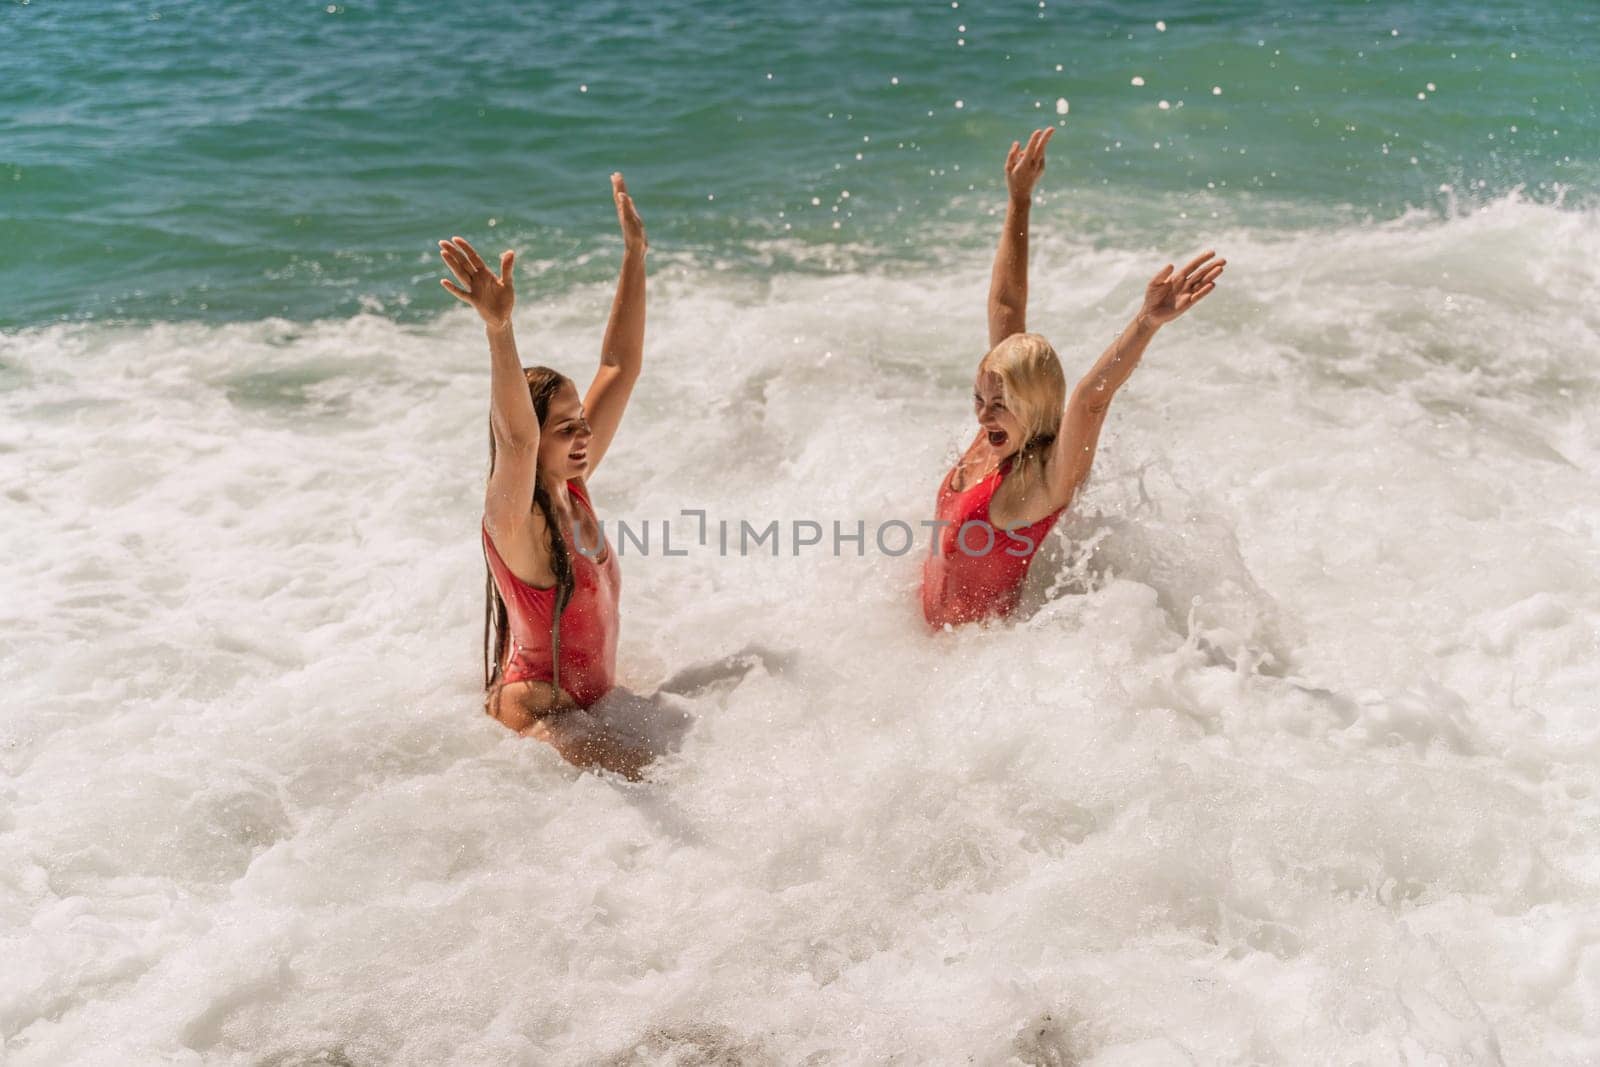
(543, 385)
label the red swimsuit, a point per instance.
(976, 570)
(588, 625)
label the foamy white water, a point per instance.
(1293, 759)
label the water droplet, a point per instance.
(1164, 105)
(960, 104)
(1137, 80)
(1216, 90)
(1161, 27)
(1061, 105)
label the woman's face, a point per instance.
(1004, 430)
(564, 436)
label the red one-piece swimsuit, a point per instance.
(975, 570)
(588, 625)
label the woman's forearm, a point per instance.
(511, 414)
(1008, 282)
(1116, 364)
(623, 344)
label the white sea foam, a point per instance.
(1291, 758)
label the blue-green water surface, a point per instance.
(177, 160)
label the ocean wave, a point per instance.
(1298, 710)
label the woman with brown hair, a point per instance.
(551, 621)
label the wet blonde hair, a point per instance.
(1035, 391)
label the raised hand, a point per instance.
(491, 294)
(1170, 294)
(1025, 164)
(622, 347)
(633, 236)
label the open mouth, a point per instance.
(580, 456)
(997, 438)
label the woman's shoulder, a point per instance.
(527, 533)
(1020, 482)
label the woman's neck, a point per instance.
(555, 489)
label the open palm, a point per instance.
(491, 294)
(1024, 164)
(1170, 294)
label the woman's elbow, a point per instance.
(1091, 397)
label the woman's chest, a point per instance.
(999, 499)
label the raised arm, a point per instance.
(512, 421)
(622, 349)
(1167, 296)
(1008, 283)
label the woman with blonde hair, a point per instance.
(1035, 443)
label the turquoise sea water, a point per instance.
(181, 160)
